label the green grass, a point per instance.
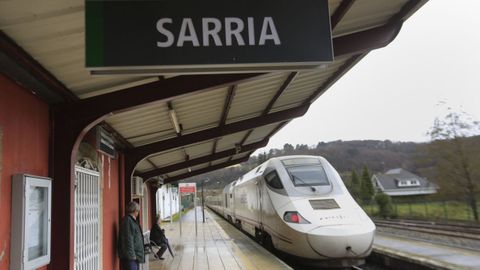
(449, 210)
(177, 215)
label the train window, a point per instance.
(309, 175)
(300, 161)
(273, 180)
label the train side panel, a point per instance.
(227, 207)
(247, 205)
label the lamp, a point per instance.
(174, 119)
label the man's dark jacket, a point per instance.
(131, 246)
(157, 235)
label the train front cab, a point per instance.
(314, 215)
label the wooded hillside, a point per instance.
(345, 156)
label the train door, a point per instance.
(231, 200)
(260, 199)
(232, 203)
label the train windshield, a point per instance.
(307, 173)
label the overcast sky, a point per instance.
(396, 92)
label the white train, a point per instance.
(300, 206)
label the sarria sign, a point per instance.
(206, 36)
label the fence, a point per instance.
(448, 210)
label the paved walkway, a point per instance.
(218, 245)
(435, 255)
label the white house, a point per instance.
(167, 201)
(400, 182)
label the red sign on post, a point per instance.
(187, 187)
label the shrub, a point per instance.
(385, 207)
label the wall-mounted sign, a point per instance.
(192, 36)
(31, 221)
(187, 187)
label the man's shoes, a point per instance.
(160, 258)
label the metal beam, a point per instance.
(124, 144)
(200, 160)
(356, 44)
(246, 136)
(52, 91)
(214, 148)
(206, 170)
(275, 130)
(99, 107)
(340, 12)
(406, 10)
(228, 103)
(282, 88)
(332, 79)
(365, 41)
(151, 163)
(226, 109)
(133, 156)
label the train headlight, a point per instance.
(294, 217)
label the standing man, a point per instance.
(131, 246)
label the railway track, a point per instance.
(465, 231)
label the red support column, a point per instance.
(153, 202)
(66, 137)
(121, 178)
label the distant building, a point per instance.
(400, 182)
(167, 201)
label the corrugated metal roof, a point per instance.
(223, 160)
(168, 158)
(240, 155)
(200, 111)
(198, 167)
(260, 133)
(199, 150)
(333, 5)
(144, 166)
(144, 125)
(228, 142)
(179, 172)
(52, 32)
(305, 84)
(251, 98)
(366, 14)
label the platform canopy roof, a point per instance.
(199, 122)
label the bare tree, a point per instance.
(457, 156)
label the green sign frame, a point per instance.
(206, 36)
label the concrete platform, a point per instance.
(218, 245)
(432, 255)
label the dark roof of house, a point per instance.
(389, 179)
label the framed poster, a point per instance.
(31, 221)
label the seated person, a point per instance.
(157, 236)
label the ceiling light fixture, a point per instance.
(174, 119)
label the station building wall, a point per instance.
(110, 191)
(24, 140)
(24, 148)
